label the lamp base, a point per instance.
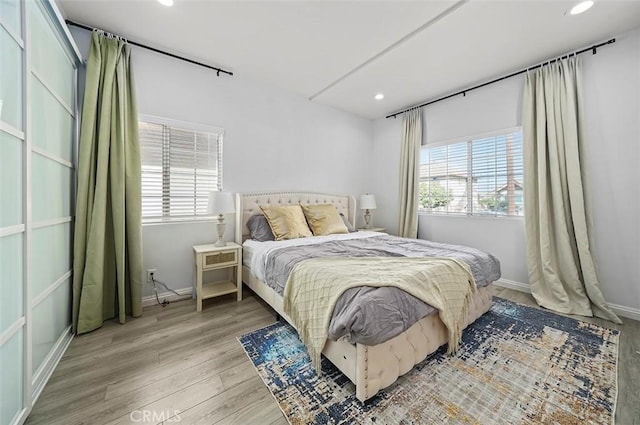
(367, 219)
(220, 227)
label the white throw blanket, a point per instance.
(315, 285)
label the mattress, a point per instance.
(365, 315)
(259, 251)
(247, 253)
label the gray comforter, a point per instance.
(373, 315)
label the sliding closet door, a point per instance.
(12, 214)
(52, 117)
(38, 64)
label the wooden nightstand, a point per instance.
(210, 257)
(374, 229)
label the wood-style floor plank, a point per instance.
(175, 361)
(176, 402)
(262, 411)
(218, 407)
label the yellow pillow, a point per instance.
(324, 219)
(286, 222)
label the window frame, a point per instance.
(467, 139)
(189, 126)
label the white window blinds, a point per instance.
(181, 163)
(478, 176)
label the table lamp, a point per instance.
(221, 203)
(367, 203)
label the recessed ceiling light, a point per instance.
(166, 2)
(379, 96)
(581, 7)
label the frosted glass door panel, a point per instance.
(48, 57)
(51, 256)
(10, 280)
(10, 80)
(52, 125)
(52, 183)
(10, 15)
(11, 379)
(10, 180)
(50, 318)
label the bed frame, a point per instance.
(370, 368)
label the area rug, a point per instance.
(516, 364)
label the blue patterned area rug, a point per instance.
(516, 364)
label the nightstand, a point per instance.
(209, 258)
(374, 229)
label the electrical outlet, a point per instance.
(150, 275)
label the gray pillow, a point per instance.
(259, 228)
(347, 223)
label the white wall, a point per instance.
(612, 97)
(612, 109)
(273, 141)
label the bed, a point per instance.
(371, 367)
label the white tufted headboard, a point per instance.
(247, 204)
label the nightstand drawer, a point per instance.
(218, 259)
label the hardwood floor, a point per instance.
(188, 368)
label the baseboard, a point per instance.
(20, 418)
(185, 294)
(624, 311)
(44, 372)
(512, 284)
(620, 310)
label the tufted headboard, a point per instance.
(247, 204)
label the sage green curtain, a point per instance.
(410, 173)
(107, 262)
(562, 272)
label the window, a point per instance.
(478, 176)
(181, 163)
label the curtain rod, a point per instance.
(513, 74)
(153, 49)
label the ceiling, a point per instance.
(341, 53)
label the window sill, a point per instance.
(482, 217)
(190, 220)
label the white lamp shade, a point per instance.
(221, 203)
(367, 202)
